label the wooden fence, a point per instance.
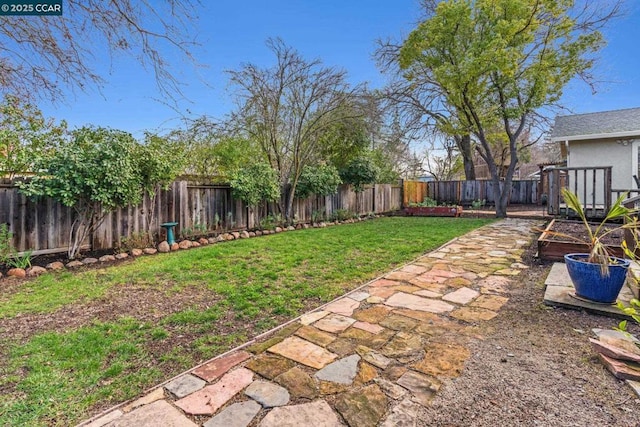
(523, 192)
(43, 225)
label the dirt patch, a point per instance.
(577, 230)
(534, 366)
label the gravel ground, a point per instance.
(534, 367)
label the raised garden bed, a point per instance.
(552, 247)
(453, 211)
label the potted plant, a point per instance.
(598, 275)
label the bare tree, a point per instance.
(44, 55)
(443, 162)
(287, 108)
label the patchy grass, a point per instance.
(60, 375)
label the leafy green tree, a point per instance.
(25, 135)
(360, 171)
(255, 184)
(321, 180)
(497, 62)
(94, 173)
(159, 162)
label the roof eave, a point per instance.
(624, 134)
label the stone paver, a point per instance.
(341, 371)
(267, 394)
(377, 353)
(218, 367)
(211, 398)
(369, 327)
(462, 296)
(344, 306)
(414, 302)
(299, 383)
(316, 414)
(304, 352)
(422, 387)
(236, 415)
(363, 407)
(269, 365)
(334, 323)
(184, 385)
(309, 318)
(159, 413)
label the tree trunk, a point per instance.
(464, 146)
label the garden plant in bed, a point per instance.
(430, 207)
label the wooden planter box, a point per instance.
(551, 249)
(453, 211)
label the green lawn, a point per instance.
(225, 294)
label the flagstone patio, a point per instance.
(369, 358)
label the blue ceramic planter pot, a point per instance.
(589, 281)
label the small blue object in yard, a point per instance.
(169, 227)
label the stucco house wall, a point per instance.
(619, 154)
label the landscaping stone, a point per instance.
(56, 265)
(211, 398)
(413, 268)
(244, 234)
(105, 419)
(212, 240)
(107, 258)
(414, 302)
(299, 383)
(269, 365)
(315, 335)
(154, 396)
(328, 387)
(384, 283)
(490, 302)
(262, 346)
(358, 296)
(421, 316)
(122, 255)
(404, 414)
(372, 315)
(621, 369)
(34, 271)
(402, 345)
(369, 327)
(19, 273)
(375, 300)
(428, 294)
(278, 230)
(304, 352)
(235, 234)
(364, 407)
(635, 386)
(164, 247)
(366, 374)
(462, 296)
(342, 347)
(391, 389)
(382, 292)
(258, 233)
(316, 414)
(615, 352)
(443, 360)
(184, 385)
(400, 276)
(195, 244)
(89, 260)
(373, 357)
(473, 314)
(218, 367)
(74, 264)
(291, 228)
(368, 339)
(136, 252)
(203, 241)
(267, 394)
(344, 306)
(252, 234)
(421, 386)
(185, 244)
(394, 372)
(341, 371)
(334, 323)
(236, 415)
(309, 318)
(495, 284)
(175, 247)
(158, 413)
(398, 323)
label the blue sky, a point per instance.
(340, 33)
